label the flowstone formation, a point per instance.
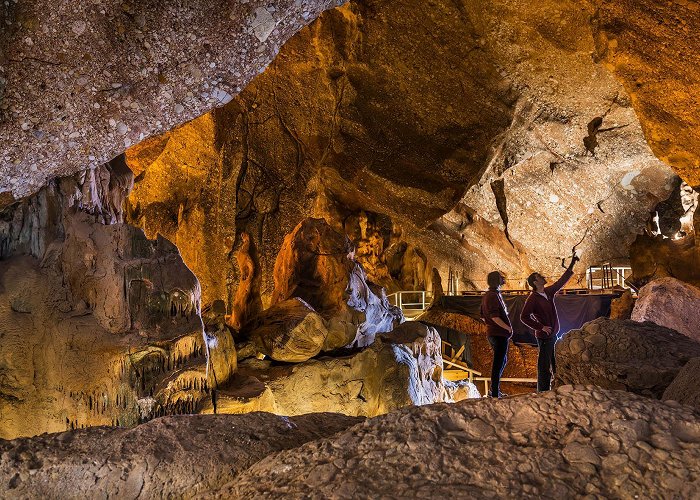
(80, 82)
(643, 358)
(100, 326)
(590, 441)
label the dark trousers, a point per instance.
(546, 364)
(500, 358)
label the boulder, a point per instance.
(671, 303)
(643, 358)
(401, 368)
(622, 306)
(685, 388)
(590, 441)
(289, 331)
(168, 457)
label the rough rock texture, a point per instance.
(622, 306)
(437, 135)
(99, 325)
(80, 82)
(671, 303)
(685, 388)
(289, 331)
(643, 358)
(167, 457)
(653, 49)
(317, 265)
(587, 441)
(401, 368)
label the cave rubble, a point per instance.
(671, 303)
(643, 358)
(591, 441)
(168, 456)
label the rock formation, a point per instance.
(671, 303)
(81, 82)
(316, 264)
(638, 357)
(458, 179)
(401, 368)
(621, 307)
(685, 388)
(590, 441)
(169, 456)
(651, 48)
(289, 331)
(100, 325)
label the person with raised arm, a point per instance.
(540, 314)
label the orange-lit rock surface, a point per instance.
(401, 368)
(486, 139)
(99, 325)
(653, 49)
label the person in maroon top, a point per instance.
(540, 314)
(498, 328)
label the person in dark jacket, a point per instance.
(498, 328)
(540, 314)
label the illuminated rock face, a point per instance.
(170, 456)
(400, 368)
(316, 264)
(638, 357)
(671, 303)
(652, 48)
(462, 150)
(100, 325)
(589, 440)
(81, 82)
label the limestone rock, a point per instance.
(659, 77)
(643, 358)
(590, 441)
(401, 368)
(289, 331)
(671, 303)
(170, 456)
(100, 325)
(621, 307)
(315, 264)
(79, 84)
(685, 388)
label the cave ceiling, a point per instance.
(480, 134)
(484, 135)
(82, 81)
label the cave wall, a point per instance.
(82, 81)
(653, 49)
(448, 147)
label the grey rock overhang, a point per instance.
(82, 81)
